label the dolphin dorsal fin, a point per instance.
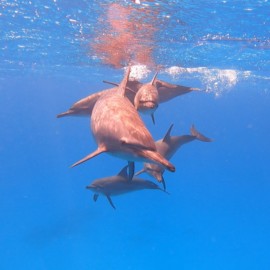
(100, 150)
(123, 84)
(154, 78)
(123, 172)
(115, 84)
(168, 134)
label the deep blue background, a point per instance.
(216, 217)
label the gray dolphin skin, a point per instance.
(119, 131)
(166, 92)
(147, 99)
(167, 147)
(119, 184)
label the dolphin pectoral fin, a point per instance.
(110, 201)
(139, 172)
(198, 135)
(112, 83)
(163, 183)
(95, 153)
(131, 169)
(60, 115)
(153, 118)
(116, 84)
(95, 197)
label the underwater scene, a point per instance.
(135, 134)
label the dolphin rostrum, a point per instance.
(119, 184)
(147, 99)
(167, 147)
(166, 92)
(119, 131)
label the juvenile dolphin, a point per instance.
(119, 184)
(119, 131)
(167, 147)
(146, 100)
(166, 92)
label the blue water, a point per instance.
(217, 215)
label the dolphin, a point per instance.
(84, 106)
(146, 99)
(119, 131)
(119, 184)
(166, 92)
(167, 147)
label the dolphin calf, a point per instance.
(166, 92)
(119, 131)
(146, 99)
(119, 184)
(167, 147)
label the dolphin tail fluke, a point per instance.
(112, 83)
(60, 115)
(110, 201)
(158, 158)
(198, 135)
(95, 153)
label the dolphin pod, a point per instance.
(166, 92)
(119, 131)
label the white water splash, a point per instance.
(139, 72)
(214, 81)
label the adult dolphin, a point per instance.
(119, 131)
